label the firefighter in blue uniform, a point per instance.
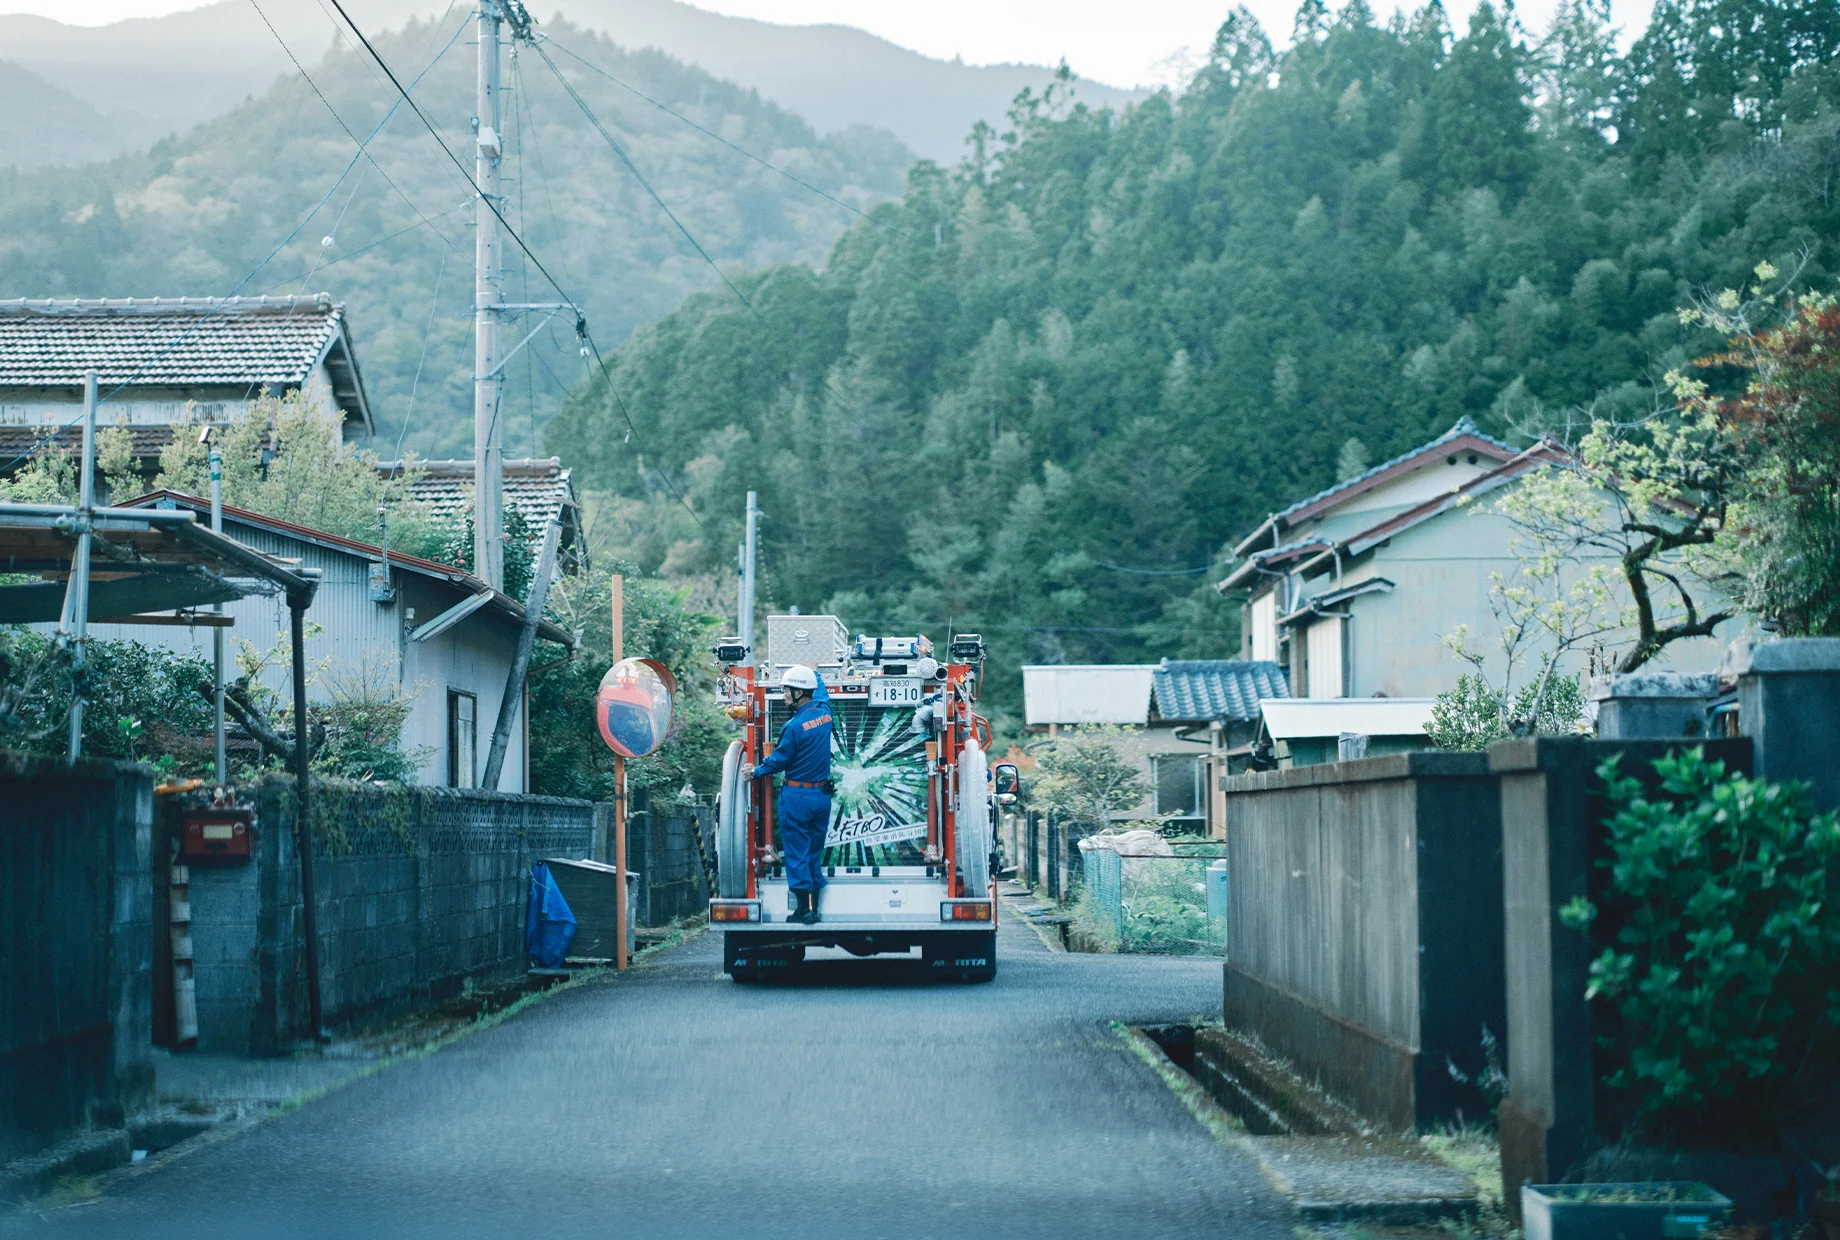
(804, 754)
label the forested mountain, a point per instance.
(1031, 394)
(195, 215)
(152, 76)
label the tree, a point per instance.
(1650, 497)
(1084, 775)
(1785, 431)
(285, 458)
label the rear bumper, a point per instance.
(775, 949)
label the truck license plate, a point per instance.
(894, 691)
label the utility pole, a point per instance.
(217, 634)
(488, 265)
(76, 591)
(749, 551)
(619, 791)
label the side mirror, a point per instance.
(1008, 781)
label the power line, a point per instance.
(286, 241)
(448, 151)
(1163, 572)
(640, 176)
(664, 107)
(363, 147)
(581, 329)
(373, 245)
(427, 335)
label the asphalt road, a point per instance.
(672, 1102)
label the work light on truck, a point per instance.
(964, 910)
(734, 910)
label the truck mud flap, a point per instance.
(963, 957)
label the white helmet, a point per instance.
(800, 677)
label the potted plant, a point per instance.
(1657, 1210)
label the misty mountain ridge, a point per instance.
(195, 215)
(149, 77)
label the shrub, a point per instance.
(1473, 716)
(1724, 971)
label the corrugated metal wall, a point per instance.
(350, 636)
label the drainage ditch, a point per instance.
(1263, 1093)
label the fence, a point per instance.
(75, 978)
(419, 888)
(1366, 926)
(1145, 902)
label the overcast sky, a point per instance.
(1122, 42)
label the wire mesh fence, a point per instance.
(1155, 902)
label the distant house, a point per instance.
(159, 357)
(1306, 731)
(439, 634)
(1355, 589)
(1191, 720)
(539, 489)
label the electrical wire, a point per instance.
(363, 146)
(1163, 572)
(427, 335)
(581, 324)
(373, 245)
(664, 107)
(206, 317)
(581, 329)
(639, 176)
(448, 151)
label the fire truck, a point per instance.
(910, 856)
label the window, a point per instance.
(1178, 779)
(462, 739)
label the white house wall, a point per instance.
(1440, 570)
(346, 630)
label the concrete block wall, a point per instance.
(661, 848)
(419, 889)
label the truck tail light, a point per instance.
(734, 910)
(964, 910)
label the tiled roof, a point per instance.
(20, 441)
(1215, 688)
(1465, 427)
(538, 488)
(179, 342)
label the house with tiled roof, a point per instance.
(1189, 721)
(165, 361)
(539, 489)
(439, 636)
(1355, 589)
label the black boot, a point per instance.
(811, 907)
(808, 908)
(796, 913)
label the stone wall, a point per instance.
(75, 952)
(419, 890)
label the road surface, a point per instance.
(670, 1102)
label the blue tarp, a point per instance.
(549, 926)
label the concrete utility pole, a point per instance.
(217, 634)
(619, 791)
(749, 553)
(488, 264)
(76, 591)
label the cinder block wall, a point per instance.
(661, 848)
(75, 950)
(419, 889)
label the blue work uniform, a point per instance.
(804, 754)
